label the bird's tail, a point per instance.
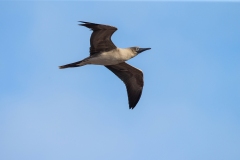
(75, 64)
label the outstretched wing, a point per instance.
(133, 79)
(101, 37)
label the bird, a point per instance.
(104, 52)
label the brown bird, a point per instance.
(104, 52)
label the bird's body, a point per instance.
(104, 52)
(112, 57)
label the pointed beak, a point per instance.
(142, 50)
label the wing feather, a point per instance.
(133, 79)
(100, 40)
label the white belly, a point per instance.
(109, 58)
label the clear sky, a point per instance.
(190, 106)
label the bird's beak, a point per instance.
(142, 49)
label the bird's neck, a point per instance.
(127, 52)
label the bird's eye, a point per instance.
(137, 48)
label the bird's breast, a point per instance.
(110, 58)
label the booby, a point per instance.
(104, 52)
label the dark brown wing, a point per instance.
(101, 37)
(133, 79)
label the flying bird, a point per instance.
(104, 52)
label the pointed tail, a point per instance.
(75, 64)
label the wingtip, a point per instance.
(87, 24)
(131, 107)
(91, 25)
(83, 21)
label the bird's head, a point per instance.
(137, 50)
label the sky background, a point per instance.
(190, 106)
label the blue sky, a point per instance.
(190, 106)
